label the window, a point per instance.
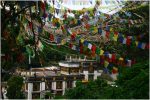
(91, 77)
(64, 69)
(26, 86)
(69, 84)
(74, 70)
(59, 85)
(36, 86)
(48, 85)
(91, 70)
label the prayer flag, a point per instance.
(93, 49)
(101, 52)
(97, 51)
(90, 46)
(106, 63)
(143, 45)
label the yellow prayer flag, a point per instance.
(136, 42)
(101, 52)
(82, 40)
(115, 68)
(63, 42)
(111, 29)
(106, 63)
(120, 58)
(115, 37)
(95, 30)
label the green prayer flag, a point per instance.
(98, 51)
(111, 36)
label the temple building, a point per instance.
(55, 80)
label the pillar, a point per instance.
(74, 83)
(30, 89)
(42, 88)
(64, 87)
(86, 75)
(53, 85)
(95, 75)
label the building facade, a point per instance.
(40, 81)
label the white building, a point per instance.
(39, 81)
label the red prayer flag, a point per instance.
(73, 36)
(107, 34)
(114, 71)
(93, 49)
(81, 48)
(51, 37)
(70, 45)
(30, 25)
(113, 57)
(128, 42)
(43, 6)
(147, 46)
(116, 33)
(87, 26)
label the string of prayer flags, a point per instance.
(135, 21)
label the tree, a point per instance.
(132, 83)
(14, 90)
(135, 81)
(91, 90)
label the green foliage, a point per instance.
(132, 83)
(135, 81)
(14, 88)
(92, 90)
